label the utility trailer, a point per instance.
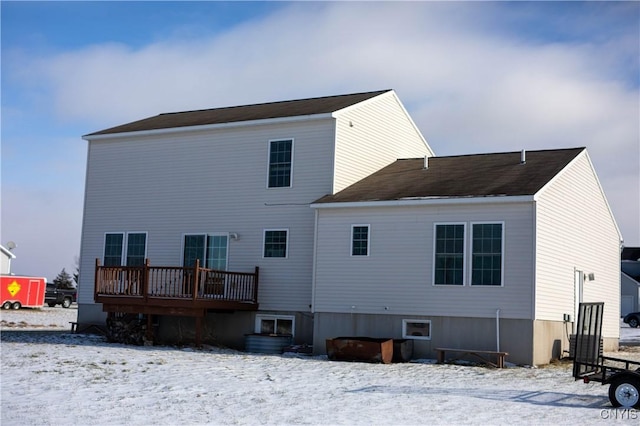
(19, 291)
(622, 375)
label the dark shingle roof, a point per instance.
(264, 111)
(481, 175)
(630, 253)
(632, 269)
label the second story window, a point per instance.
(275, 243)
(280, 162)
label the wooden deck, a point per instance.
(158, 289)
(174, 290)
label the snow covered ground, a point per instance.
(50, 376)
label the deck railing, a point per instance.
(176, 282)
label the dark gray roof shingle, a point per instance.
(264, 111)
(480, 175)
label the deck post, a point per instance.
(255, 284)
(198, 331)
(149, 331)
(196, 273)
(145, 279)
(95, 279)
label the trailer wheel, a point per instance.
(6, 305)
(16, 305)
(625, 392)
(66, 302)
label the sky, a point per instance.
(476, 77)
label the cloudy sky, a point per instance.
(475, 77)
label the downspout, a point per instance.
(497, 330)
(313, 267)
(534, 278)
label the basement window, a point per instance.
(275, 324)
(416, 329)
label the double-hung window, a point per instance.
(360, 240)
(486, 254)
(449, 254)
(211, 249)
(129, 248)
(275, 242)
(280, 163)
(483, 250)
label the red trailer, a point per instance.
(18, 291)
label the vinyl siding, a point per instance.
(371, 135)
(575, 230)
(5, 264)
(213, 181)
(396, 277)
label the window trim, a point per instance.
(487, 222)
(364, 225)
(464, 254)
(206, 235)
(264, 242)
(124, 248)
(406, 321)
(260, 317)
(270, 141)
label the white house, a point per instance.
(630, 281)
(231, 187)
(5, 260)
(490, 251)
(297, 218)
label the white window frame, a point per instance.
(364, 225)
(125, 244)
(261, 317)
(465, 249)
(415, 321)
(269, 162)
(206, 235)
(264, 242)
(470, 263)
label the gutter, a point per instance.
(427, 201)
(172, 130)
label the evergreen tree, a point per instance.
(63, 280)
(76, 274)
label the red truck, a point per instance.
(20, 291)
